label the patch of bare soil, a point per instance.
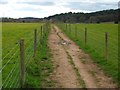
(64, 74)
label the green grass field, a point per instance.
(13, 32)
(95, 45)
(38, 70)
(11, 35)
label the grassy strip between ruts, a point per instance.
(80, 80)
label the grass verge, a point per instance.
(39, 70)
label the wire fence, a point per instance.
(95, 38)
(11, 62)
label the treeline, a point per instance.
(26, 19)
(94, 17)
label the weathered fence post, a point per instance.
(70, 28)
(22, 67)
(106, 45)
(41, 31)
(66, 27)
(45, 30)
(63, 27)
(85, 36)
(35, 42)
(76, 31)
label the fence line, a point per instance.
(92, 33)
(11, 77)
(35, 42)
(81, 36)
(22, 66)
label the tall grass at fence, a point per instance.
(95, 44)
(12, 33)
(39, 69)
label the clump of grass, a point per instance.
(40, 69)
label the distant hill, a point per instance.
(29, 19)
(94, 17)
(25, 19)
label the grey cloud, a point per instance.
(3, 2)
(37, 3)
(91, 6)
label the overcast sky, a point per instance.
(44, 8)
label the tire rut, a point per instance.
(63, 74)
(81, 70)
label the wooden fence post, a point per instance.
(45, 30)
(66, 27)
(35, 42)
(106, 45)
(85, 36)
(22, 67)
(76, 30)
(63, 27)
(70, 28)
(41, 31)
(41, 35)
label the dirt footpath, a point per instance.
(73, 67)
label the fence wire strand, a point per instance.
(10, 51)
(11, 72)
(9, 60)
(12, 79)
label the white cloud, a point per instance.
(44, 8)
